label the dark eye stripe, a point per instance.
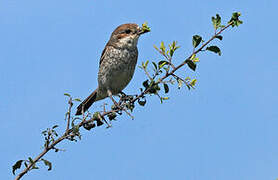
(128, 31)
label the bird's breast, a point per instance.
(117, 69)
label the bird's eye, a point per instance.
(128, 31)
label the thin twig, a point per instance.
(177, 77)
(170, 61)
(147, 73)
(124, 109)
(106, 122)
(69, 115)
(168, 58)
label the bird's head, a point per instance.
(126, 35)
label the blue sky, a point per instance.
(224, 129)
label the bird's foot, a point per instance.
(118, 105)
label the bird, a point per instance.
(117, 64)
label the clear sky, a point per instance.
(224, 129)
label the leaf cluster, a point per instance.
(145, 27)
(50, 135)
(31, 164)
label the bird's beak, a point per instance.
(142, 31)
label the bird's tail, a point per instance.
(84, 106)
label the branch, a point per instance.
(126, 102)
(28, 168)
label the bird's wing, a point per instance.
(103, 54)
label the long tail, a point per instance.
(86, 103)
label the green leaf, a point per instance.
(179, 83)
(77, 99)
(55, 126)
(194, 58)
(155, 66)
(219, 37)
(171, 52)
(156, 47)
(112, 116)
(235, 19)
(35, 167)
(193, 82)
(146, 64)
(196, 40)
(16, 166)
(214, 49)
(216, 21)
(55, 133)
(75, 129)
(154, 88)
(191, 64)
(88, 126)
(146, 84)
(67, 94)
(47, 163)
(166, 88)
(173, 48)
(164, 98)
(162, 47)
(236, 15)
(162, 63)
(31, 160)
(239, 22)
(130, 106)
(145, 27)
(142, 102)
(96, 115)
